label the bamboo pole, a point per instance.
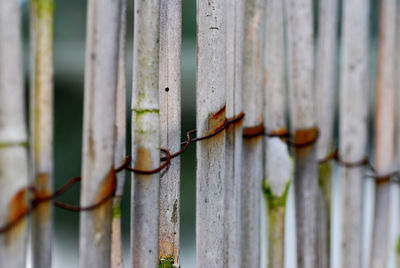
(252, 163)
(353, 124)
(303, 123)
(278, 164)
(13, 138)
(233, 176)
(117, 254)
(384, 131)
(42, 118)
(211, 98)
(101, 75)
(145, 134)
(325, 82)
(170, 117)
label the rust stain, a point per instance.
(104, 211)
(305, 136)
(166, 246)
(42, 191)
(279, 132)
(252, 132)
(218, 114)
(91, 148)
(17, 207)
(216, 121)
(143, 161)
(382, 180)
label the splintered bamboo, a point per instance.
(234, 56)
(300, 47)
(13, 138)
(252, 163)
(42, 127)
(117, 258)
(353, 124)
(384, 131)
(325, 82)
(170, 117)
(145, 135)
(278, 164)
(210, 99)
(101, 75)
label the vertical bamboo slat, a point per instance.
(353, 124)
(145, 134)
(303, 124)
(117, 258)
(101, 75)
(13, 137)
(278, 164)
(210, 102)
(325, 82)
(384, 131)
(252, 164)
(170, 117)
(42, 12)
(234, 57)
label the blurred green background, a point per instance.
(70, 26)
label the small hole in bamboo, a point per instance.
(167, 89)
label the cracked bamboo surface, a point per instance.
(300, 47)
(233, 176)
(353, 124)
(13, 137)
(210, 114)
(117, 258)
(170, 117)
(278, 163)
(326, 85)
(42, 118)
(101, 75)
(252, 164)
(384, 130)
(145, 135)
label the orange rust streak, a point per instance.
(280, 132)
(17, 209)
(305, 136)
(251, 132)
(104, 211)
(219, 114)
(143, 161)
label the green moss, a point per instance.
(273, 200)
(174, 217)
(398, 246)
(116, 211)
(145, 111)
(13, 144)
(43, 8)
(167, 262)
(325, 171)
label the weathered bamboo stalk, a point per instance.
(42, 12)
(353, 124)
(101, 75)
(325, 82)
(384, 131)
(303, 123)
(13, 138)
(252, 161)
(170, 116)
(278, 164)
(145, 134)
(210, 99)
(117, 254)
(233, 176)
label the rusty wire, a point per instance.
(248, 133)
